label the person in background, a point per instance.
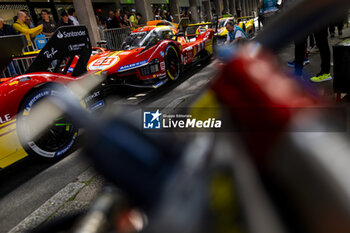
(100, 17)
(169, 17)
(235, 33)
(73, 16)
(157, 15)
(134, 20)
(139, 19)
(110, 18)
(321, 37)
(49, 25)
(118, 21)
(182, 13)
(238, 12)
(100, 25)
(28, 21)
(339, 23)
(126, 22)
(164, 14)
(268, 9)
(65, 21)
(21, 27)
(300, 53)
(5, 29)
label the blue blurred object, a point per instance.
(40, 41)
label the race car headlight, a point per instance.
(151, 68)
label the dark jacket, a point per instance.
(7, 30)
(115, 22)
(61, 23)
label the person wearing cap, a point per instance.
(102, 21)
(65, 21)
(133, 20)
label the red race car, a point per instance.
(19, 94)
(151, 55)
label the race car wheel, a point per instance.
(58, 137)
(172, 62)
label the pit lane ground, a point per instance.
(32, 193)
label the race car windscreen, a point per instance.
(146, 39)
(134, 40)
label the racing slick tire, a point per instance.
(172, 62)
(59, 136)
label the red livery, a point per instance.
(19, 94)
(152, 55)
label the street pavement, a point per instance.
(69, 186)
(34, 193)
(324, 89)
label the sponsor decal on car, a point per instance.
(104, 63)
(76, 47)
(97, 105)
(36, 98)
(92, 96)
(61, 35)
(5, 118)
(49, 54)
(162, 65)
(162, 53)
(132, 66)
(64, 150)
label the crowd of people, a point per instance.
(130, 19)
(118, 19)
(46, 25)
(318, 40)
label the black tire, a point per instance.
(172, 62)
(58, 138)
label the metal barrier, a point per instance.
(18, 66)
(115, 37)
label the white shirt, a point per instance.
(74, 20)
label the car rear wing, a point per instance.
(193, 30)
(245, 18)
(65, 45)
